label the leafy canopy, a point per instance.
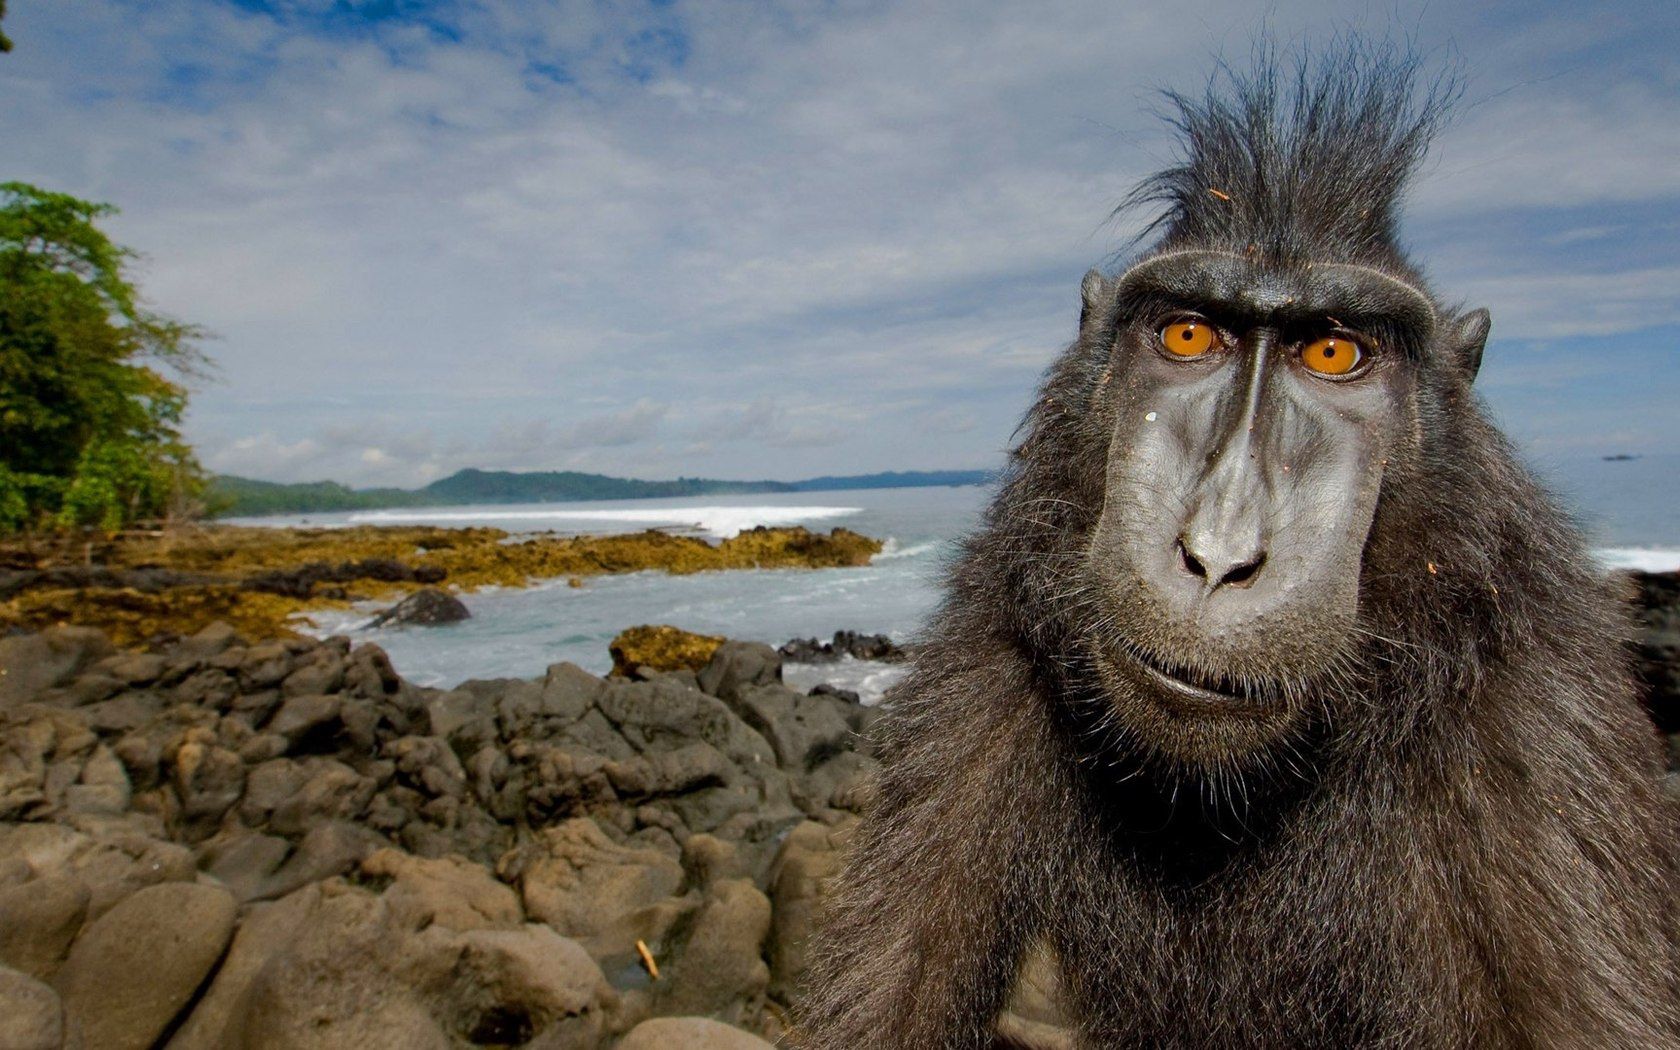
(88, 419)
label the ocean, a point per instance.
(1630, 508)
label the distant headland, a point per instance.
(232, 496)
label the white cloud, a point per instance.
(820, 227)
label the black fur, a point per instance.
(1466, 845)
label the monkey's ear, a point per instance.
(1467, 339)
(1092, 291)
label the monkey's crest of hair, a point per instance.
(1298, 162)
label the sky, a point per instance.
(781, 239)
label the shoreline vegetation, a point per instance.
(140, 587)
(230, 496)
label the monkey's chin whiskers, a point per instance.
(1187, 690)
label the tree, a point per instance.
(88, 419)
(5, 44)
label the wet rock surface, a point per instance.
(426, 607)
(216, 843)
(845, 643)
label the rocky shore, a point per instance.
(218, 842)
(284, 844)
(139, 587)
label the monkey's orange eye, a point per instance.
(1188, 338)
(1335, 356)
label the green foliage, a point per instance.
(5, 44)
(88, 420)
(232, 496)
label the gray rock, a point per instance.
(132, 669)
(342, 976)
(332, 791)
(799, 878)
(210, 642)
(298, 715)
(208, 780)
(244, 861)
(447, 891)
(264, 666)
(133, 969)
(38, 921)
(265, 932)
(31, 1016)
(426, 607)
(113, 866)
(804, 731)
(322, 674)
(689, 1033)
(334, 847)
(128, 710)
(527, 985)
(737, 666)
(604, 896)
(719, 970)
(354, 975)
(31, 663)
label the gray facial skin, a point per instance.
(1241, 486)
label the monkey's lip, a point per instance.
(1202, 693)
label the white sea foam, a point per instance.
(870, 679)
(890, 550)
(721, 522)
(1645, 559)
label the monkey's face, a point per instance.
(1254, 412)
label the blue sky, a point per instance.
(781, 239)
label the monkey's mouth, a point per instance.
(1205, 691)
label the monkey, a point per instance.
(1271, 692)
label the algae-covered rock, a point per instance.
(178, 582)
(660, 647)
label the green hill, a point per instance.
(232, 496)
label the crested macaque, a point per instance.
(1272, 693)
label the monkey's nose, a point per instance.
(1218, 563)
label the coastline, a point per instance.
(141, 587)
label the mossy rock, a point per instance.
(229, 564)
(660, 647)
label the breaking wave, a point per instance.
(721, 522)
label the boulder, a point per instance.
(689, 1033)
(799, 878)
(353, 974)
(446, 891)
(426, 607)
(344, 976)
(31, 1016)
(846, 643)
(604, 896)
(804, 731)
(660, 647)
(32, 663)
(264, 933)
(518, 986)
(719, 970)
(38, 921)
(740, 665)
(133, 969)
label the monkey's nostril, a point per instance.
(1243, 575)
(1188, 562)
(1218, 569)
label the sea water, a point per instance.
(1630, 508)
